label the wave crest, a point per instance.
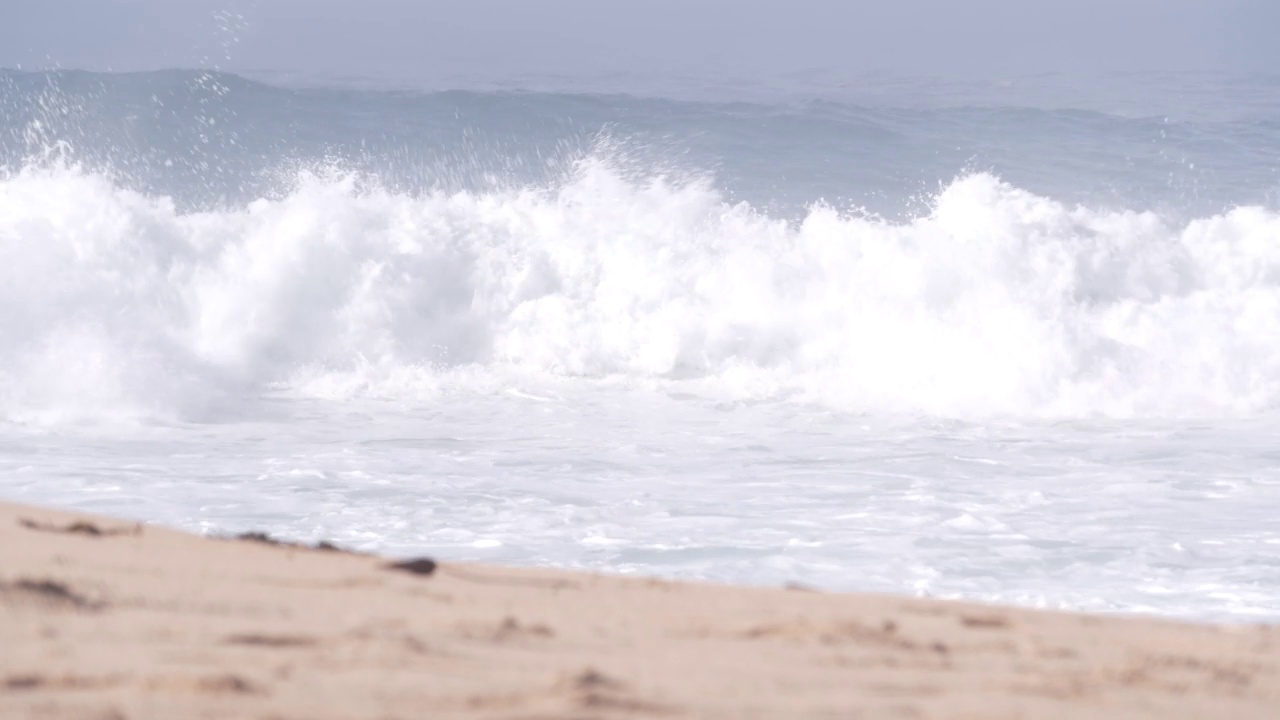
(994, 302)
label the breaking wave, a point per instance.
(993, 302)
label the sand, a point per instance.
(103, 619)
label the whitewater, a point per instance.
(985, 349)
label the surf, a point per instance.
(993, 301)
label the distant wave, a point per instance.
(212, 140)
(994, 301)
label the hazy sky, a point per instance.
(497, 38)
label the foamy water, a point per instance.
(619, 360)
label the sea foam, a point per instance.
(992, 302)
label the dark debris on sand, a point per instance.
(416, 566)
(265, 539)
(51, 592)
(78, 528)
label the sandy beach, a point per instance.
(107, 620)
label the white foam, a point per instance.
(995, 302)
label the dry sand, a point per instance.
(107, 620)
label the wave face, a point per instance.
(995, 301)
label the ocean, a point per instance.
(1014, 340)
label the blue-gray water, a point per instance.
(1016, 340)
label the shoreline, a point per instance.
(103, 619)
